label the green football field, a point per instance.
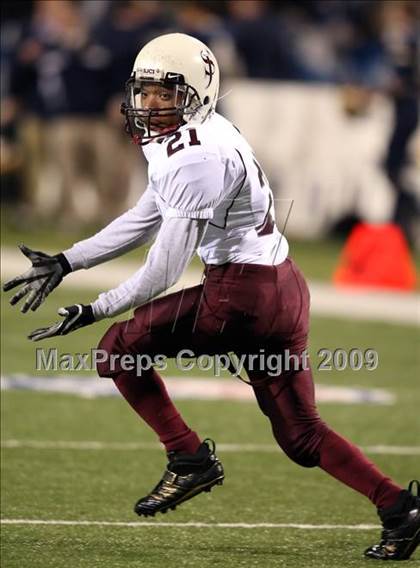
(269, 513)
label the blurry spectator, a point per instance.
(124, 29)
(94, 11)
(260, 39)
(13, 18)
(313, 31)
(363, 56)
(400, 35)
(200, 19)
(61, 76)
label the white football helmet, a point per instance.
(176, 61)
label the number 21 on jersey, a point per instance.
(174, 145)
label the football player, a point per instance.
(208, 193)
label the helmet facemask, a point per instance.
(145, 124)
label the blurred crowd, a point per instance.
(64, 64)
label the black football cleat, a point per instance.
(401, 532)
(186, 476)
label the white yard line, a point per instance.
(326, 300)
(189, 525)
(185, 388)
(135, 446)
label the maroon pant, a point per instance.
(247, 309)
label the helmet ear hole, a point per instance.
(206, 100)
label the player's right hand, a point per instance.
(46, 274)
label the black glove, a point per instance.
(75, 317)
(46, 274)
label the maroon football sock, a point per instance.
(346, 462)
(148, 396)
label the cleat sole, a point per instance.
(196, 491)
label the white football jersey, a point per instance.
(209, 171)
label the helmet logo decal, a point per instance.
(209, 66)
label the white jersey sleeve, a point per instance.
(133, 228)
(175, 244)
(196, 189)
(189, 186)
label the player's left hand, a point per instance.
(75, 317)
